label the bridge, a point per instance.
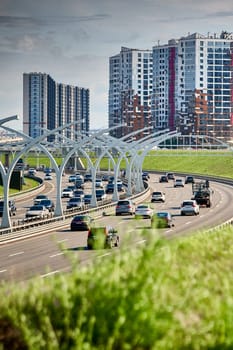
(126, 149)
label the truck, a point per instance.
(202, 193)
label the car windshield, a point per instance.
(37, 207)
(162, 215)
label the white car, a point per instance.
(157, 196)
(189, 207)
(48, 177)
(38, 210)
(144, 210)
(67, 193)
(178, 183)
(99, 184)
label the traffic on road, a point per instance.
(46, 254)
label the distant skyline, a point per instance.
(72, 41)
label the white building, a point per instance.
(130, 90)
(193, 87)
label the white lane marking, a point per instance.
(54, 255)
(1, 271)
(188, 222)
(19, 253)
(62, 240)
(168, 231)
(50, 273)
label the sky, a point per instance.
(72, 41)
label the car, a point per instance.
(125, 206)
(157, 196)
(102, 237)
(67, 193)
(162, 219)
(120, 187)
(38, 211)
(170, 176)
(75, 202)
(47, 170)
(79, 177)
(39, 197)
(111, 179)
(105, 177)
(178, 183)
(145, 176)
(79, 193)
(12, 207)
(79, 183)
(87, 177)
(163, 178)
(72, 178)
(73, 188)
(48, 177)
(109, 188)
(48, 203)
(100, 194)
(189, 180)
(99, 183)
(87, 198)
(32, 171)
(81, 223)
(189, 207)
(144, 211)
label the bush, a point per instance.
(173, 294)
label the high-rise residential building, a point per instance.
(130, 89)
(48, 105)
(194, 90)
(165, 85)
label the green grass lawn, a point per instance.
(28, 184)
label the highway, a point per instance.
(48, 254)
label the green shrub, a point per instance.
(173, 294)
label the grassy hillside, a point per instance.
(196, 162)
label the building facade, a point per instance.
(194, 92)
(130, 90)
(165, 85)
(48, 105)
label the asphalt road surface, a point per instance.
(48, 254)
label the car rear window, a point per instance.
(187, 203)
(123, 203)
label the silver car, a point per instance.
(157, 196)
(125, 206)
(189, 207)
